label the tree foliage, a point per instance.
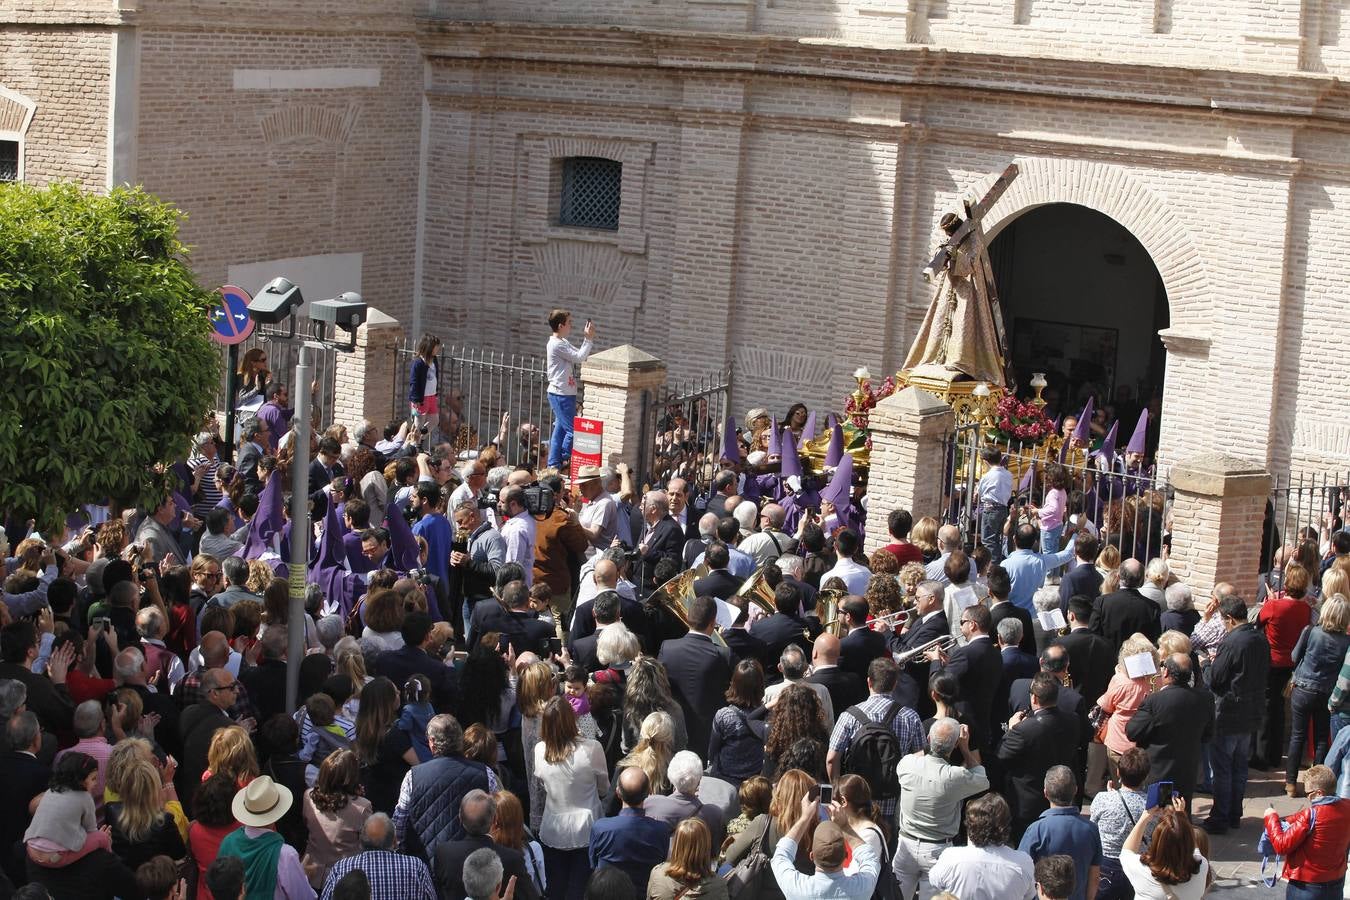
(106, 361)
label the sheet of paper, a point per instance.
(1141, 664)
(1051, 619)
(726, 614)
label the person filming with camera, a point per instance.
(563, 359)
(518, 530)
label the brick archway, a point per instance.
(1128, 200)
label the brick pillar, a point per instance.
(1219, 505)
(614, 382)
(364, 382)
(908, 430)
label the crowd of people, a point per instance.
(496, 702)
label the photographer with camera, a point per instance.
(477, 551)
(562, 382)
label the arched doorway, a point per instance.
(1083, 302)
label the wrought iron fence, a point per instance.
(282, 354)
(1303, 507)
(482, 393)
(682, 431)
(1126, 505)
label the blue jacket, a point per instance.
(1317, 659)
(417, 379)
(631, 841)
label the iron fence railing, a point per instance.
(282, 354)
(682, 431)
(1304, 510)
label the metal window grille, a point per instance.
(590, 193)
(9, 160)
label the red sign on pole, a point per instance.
(587, 437)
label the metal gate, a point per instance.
(682, 431)
(477, 388)
(282, 354)
(1303, 507)
(1128, 508)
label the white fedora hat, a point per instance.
(261, 802)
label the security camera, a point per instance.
(346, 311)
(276, 302)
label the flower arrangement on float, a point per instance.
(1019, 421)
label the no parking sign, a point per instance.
(230, 321)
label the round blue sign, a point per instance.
(230, 321)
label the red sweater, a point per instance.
(1283, 619)
(1315, 856)
(904, 551)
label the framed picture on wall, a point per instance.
(1079, 353)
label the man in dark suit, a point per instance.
(861, 644)
(476, 813)
(266, 682)
(632, 841)
(978, 666)
(512, 618)
(661, 538)
(1082, 579)
(255, 434)
(699, 672)
(24, 779)
(683, 509)
(723, 487)
(695, 546)
(327, 465)
(845, 687)
(1238, 679)
(1171, 724)
(48, 696)
(608, 575)
(1092, 661)
(929, 624)
(1000, 608)
(1055, 662)
(1017, 665)
(1034, 743)
(199, 724)
(740, 641)
(604, 611)
(719, 582)
(1118, 615)
(413, 658)
(783, 627)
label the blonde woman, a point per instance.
(1317, 656)
(260, 575)
(924, 536)
(688, 872)
(654, 750)
(784, 809)
(350, 661)
(231, 754)
(1124, 695)
(127, 752)
(141, 826)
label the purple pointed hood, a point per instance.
(1083, 430)
(1028, 481)
(268, 521)
(809, 429)
(1139, 440)
(775, 440)
(402, 544)
(792, 462)
(731, 448)
(330, 573)
(1107, 451)
(835, 452)
(840, 489)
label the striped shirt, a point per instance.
(906, 725)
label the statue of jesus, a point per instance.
(959, 338)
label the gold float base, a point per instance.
(959, 395)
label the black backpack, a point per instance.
(874, 753)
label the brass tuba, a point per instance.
(677, 594)
(756, 590)
(827, 610)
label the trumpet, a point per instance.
(902, 614)
(941, 645)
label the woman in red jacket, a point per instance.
(1282, 618)
(1313, 842)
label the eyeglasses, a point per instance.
(232, 688)
(215, 574)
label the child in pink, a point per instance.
(64, 828)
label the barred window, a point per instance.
(9, 160)
(590, 193)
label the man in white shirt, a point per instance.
(949, 539)
(518, 530)
(562, 381)
(854, 576)
(599, 515)
(992, 495)
(770, 542)
(830, 844)
(474, 477)
(986, 868)
(932, 790)
(792, 663)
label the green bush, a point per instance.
(106, 361)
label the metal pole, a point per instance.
(231, 387)
(300, 531)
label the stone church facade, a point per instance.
(783, 165)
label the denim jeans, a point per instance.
(991, 531)
(1228, 755)
(1320, 890)
(1306, 705)
(1112, 884)
(1338, 721)
(560, 442)
(1050, 542)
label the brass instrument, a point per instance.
(902, 614)
(677, 594)
(756, 590)
(942, 645)
(827, 610)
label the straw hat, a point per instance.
(588, 473)
(261, 802)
